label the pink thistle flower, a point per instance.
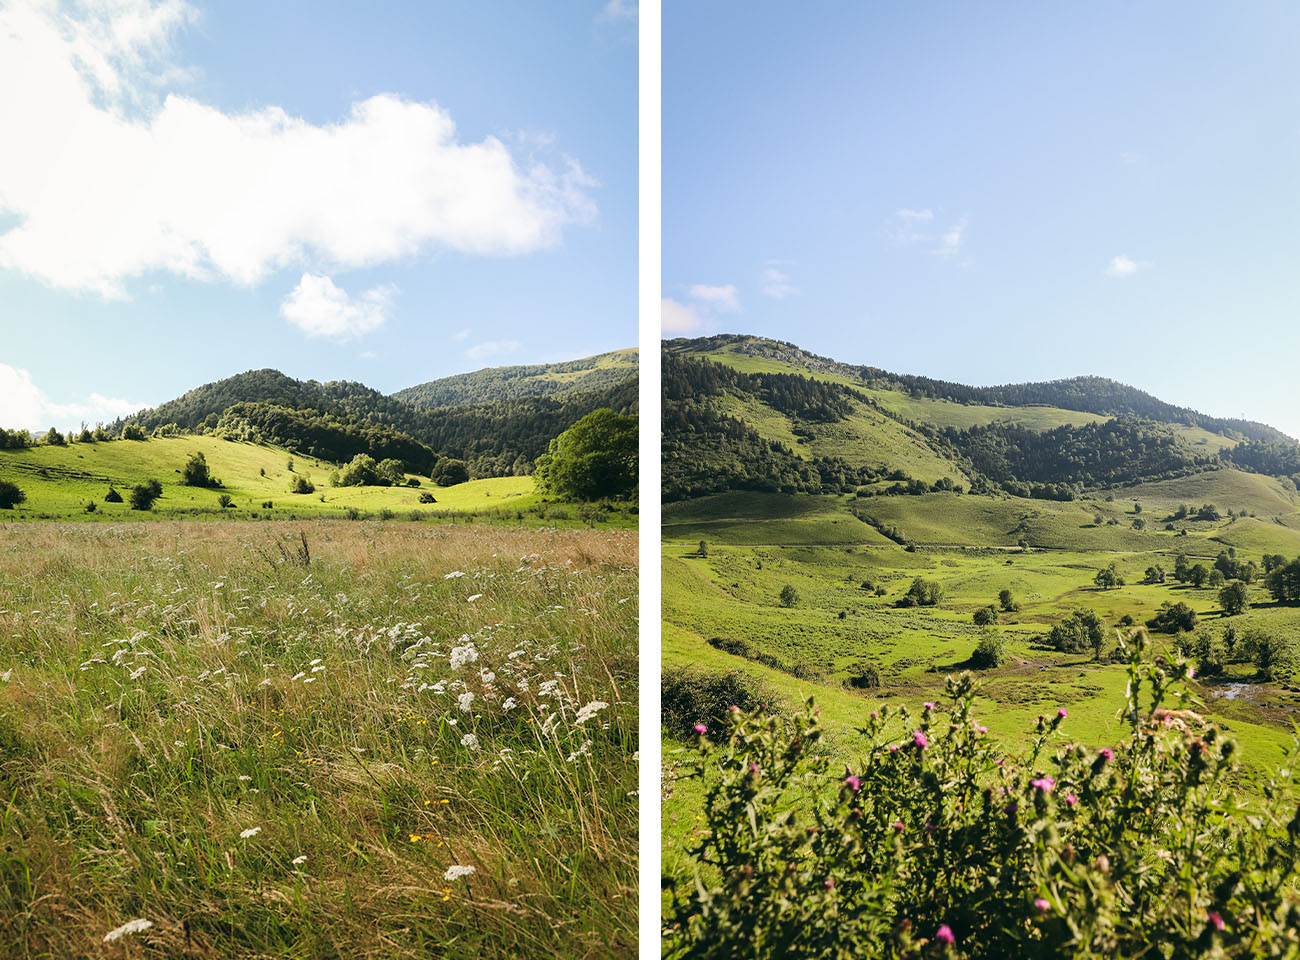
(1011, 808)
(893, 748)
(854, 782)
(830, 884)
(1107, 752)
(928, 705)
(1216, 920)
(1071, 799)
(1045, 784)
(701, 729)
(898, 826)
(980, 728)
(919, 738)
(1042, 904)
(1061, 713)
(944, 934)
(755, 769)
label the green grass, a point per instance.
(166, 687)
(59, 481)
(759, 543)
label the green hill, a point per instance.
(597, 373)
(804, 497)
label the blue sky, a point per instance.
(387, 193)
(992, 193)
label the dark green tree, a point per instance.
(594, 459)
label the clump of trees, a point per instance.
(449, 471)
(1174, 617)
(301, 484)
(990, 651)
(594, 459)
(143, 495)
(1081, 631)
(986, 616)
(1109, 577)
(922, 593)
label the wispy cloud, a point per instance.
(461, 334)
(950, 242)
(617, 10)
(121, 174)
(775, 282)
(1122, 266)
(24, 406)
(491, 348)
(320, 309)
(722, 297)
(679, 319)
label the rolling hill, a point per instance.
(589, 374)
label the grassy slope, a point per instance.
(59, 481)
(165, 687)
(572, 376)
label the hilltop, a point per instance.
(589, 374)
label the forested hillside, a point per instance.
(589, 374)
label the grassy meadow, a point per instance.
(60, 481)
(849, 579)
(311, 739)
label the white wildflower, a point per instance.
(4, 677)
(463, 656)
(470, 741)
(245, 777)
(456, 872)
(318, 660)
(299, 861)
(509, 704)
(465, 701)
(137, 673)
(133, 926)
(453, 574)
(477, 596)
(250, 832)
(590, 710)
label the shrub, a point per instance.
(1273, 656)
(940, 843)
(362, 471)
(225, 501)
(91, 506)
(112, 496)
(132, 432)
(143, 496)
(922, 593)
(789, 596)
(990, 651)
(195, 473)
(864, 675)
(1172, 617)
(386, 514)
(301, 484)
(1007, 600)
(690, 696)
(1082, 630)
(985, 616)
(10, 495)
(427, 497)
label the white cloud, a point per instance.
(950, 242)
(776, 283)
(678, 319)
(491, 348)
(615, 10)
(23, 405)
(320, 309)
(461, 334)
(716, 296)
(109, 173)
(1123, 266)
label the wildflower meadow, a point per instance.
(317, 740)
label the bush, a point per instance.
(427, 497)
(362, 471)
(940, 843)
(1007, 600)
(990, 651)
(922, 593)
(1234, 598)
(143, 496)
(132, 432)
(690, 696)
(10, 495)
(224, 501)
(864, 675)
(448, 472)
(986, 616)
(1173, 617)
(301, 484)
(195, 473)
(1081, 631)
(1273, 656)
(112, 496)
(789, 596)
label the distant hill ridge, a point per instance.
(599, 372)
(498, 431)
(1088, 394)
